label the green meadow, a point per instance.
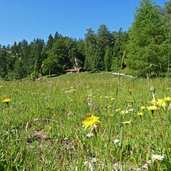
(41, 126)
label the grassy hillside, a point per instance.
(41, 123)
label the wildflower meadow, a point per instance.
(85, 122)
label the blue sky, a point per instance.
(29, 19)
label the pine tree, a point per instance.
(3, 62)
(49, 42)
(167, 14)
(121, 39)
(167, 17)
(146, 41)
(108, 58)
(90, 50)
(104, 40)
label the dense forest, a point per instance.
(144, 49)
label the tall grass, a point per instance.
(41, 129)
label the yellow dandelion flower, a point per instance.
(126, 122)
(153, 102)
(101, 97)
(112, 99)
(122, 112)
(1, 86)
(142, 107)
(161, 103)
(158, 102)
(167, 99)
(140, 113)
(151, 108)
(91, 121)
(6, 100)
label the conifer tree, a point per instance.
(146, 46)
(90, 50)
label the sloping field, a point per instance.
(85, 122)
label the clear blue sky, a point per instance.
(29, 19)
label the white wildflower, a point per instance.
(89, 135)
(90, 163)
(145, 166)
(117, 110)
(157, 157)
(116, 141)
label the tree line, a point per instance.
(144, 49)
